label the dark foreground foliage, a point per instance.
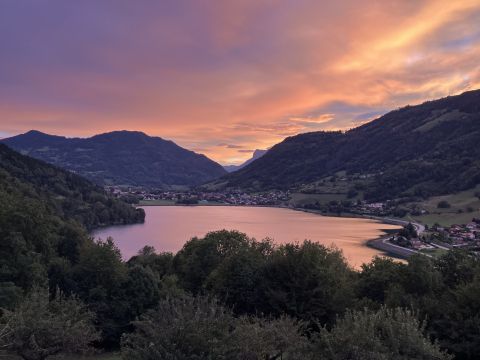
(290, 301)
(45, 213)
(39, 327)
(389, 310)
(201, 328)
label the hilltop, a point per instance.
(423, 150)
(120, 158)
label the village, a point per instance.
(193, 197)
(466, 236)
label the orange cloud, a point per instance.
(244, 74)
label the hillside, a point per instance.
(50, 191)
(44, 215)
(423, 150)
(258, 153)
(120, 158)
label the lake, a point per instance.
(167, 228)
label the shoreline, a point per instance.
(380, 243)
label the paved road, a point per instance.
(385, 245)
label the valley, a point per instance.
(239, 180)
(161, 241)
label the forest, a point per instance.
(423, 150)
(224, 296)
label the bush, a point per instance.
(180, 328)
(393, 334)
(201, 328)
(443, 205)
(307, 281)
(259, 338)
(352, 193)
(39, 328)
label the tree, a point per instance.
(387, 334)
(376, 280)
(352, 193)
(443, 204)
(307, 281)
(101, 279)
(141, 289)
(201, 328)
(268, 339)
(180, 328)
(161, 264)
(199, 257)
(458, 326)
(455, 320)
(236, 280)
(39, 327)
(409, 231)
(457, 267)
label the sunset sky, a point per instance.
(226, 77)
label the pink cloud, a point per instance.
(245, 74)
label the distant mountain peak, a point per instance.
(120, 158)
(258, 153)
(37, 133)
(34, 132)
(123, 133)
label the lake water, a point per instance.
(167, 228)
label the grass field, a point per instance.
(464, 206)
(435, 252)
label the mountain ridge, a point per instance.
(420, 150)
(120, 158)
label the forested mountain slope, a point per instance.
(120, 158)
(59, 193)
(165, 303)
(432, 148)
(44, 214)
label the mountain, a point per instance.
(258, 153)
(49, 191)
(45, 215)
(120, 158)
(421, 150)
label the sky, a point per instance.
(225, 77)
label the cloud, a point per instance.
(230, 146)
(318, 119)
(242, 74)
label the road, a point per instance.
(384, 243)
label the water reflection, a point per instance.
(167, 228)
